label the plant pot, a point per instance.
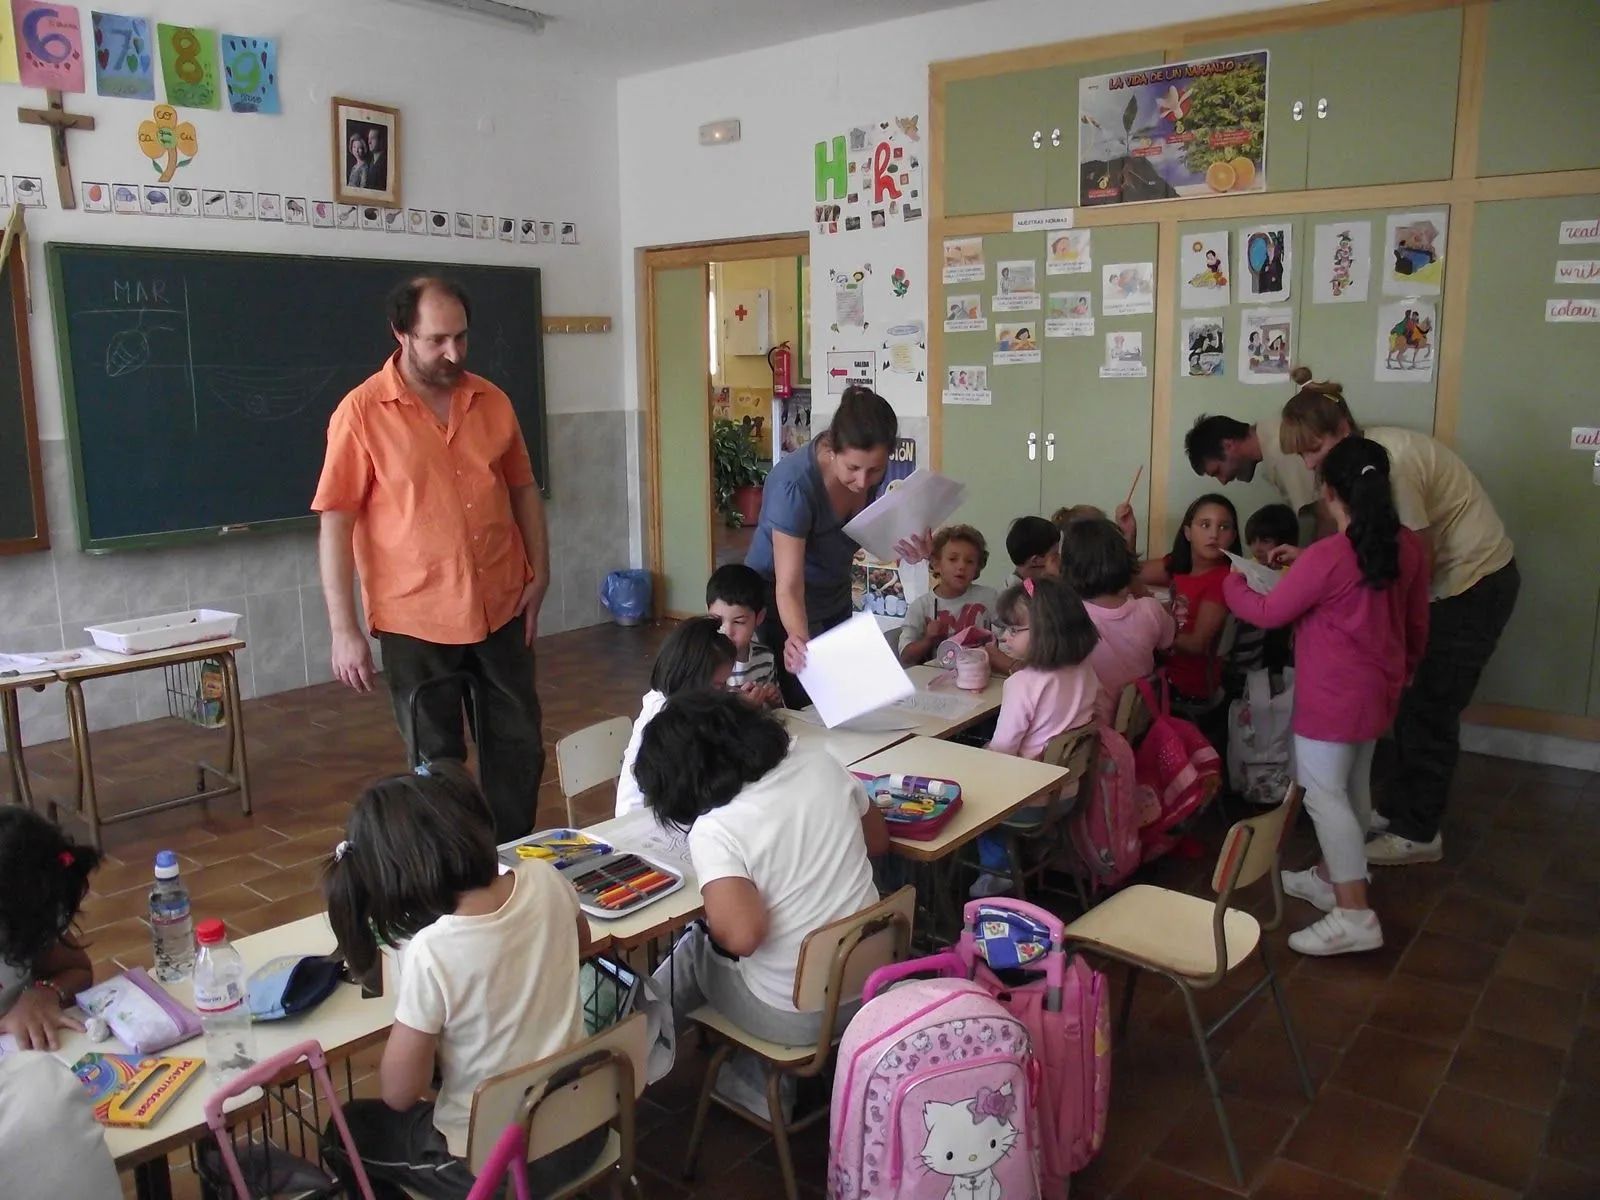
(747, 503)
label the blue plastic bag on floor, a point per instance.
(626, 596)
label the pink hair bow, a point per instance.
(991, 1102)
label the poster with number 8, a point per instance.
(189, 66)
(49, 45)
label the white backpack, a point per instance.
(1260, 740)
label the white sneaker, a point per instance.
(1310, 887)
(1342, 931)
(1379, 823)
(989, 884)
(1392, 850)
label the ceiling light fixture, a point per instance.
(527, 19)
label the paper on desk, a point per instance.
(924, 500)
(641, 833)
(948, 706)
(1261, 579)
(44, 660)
(881, 721)
(850, 670)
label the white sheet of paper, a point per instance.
(1261, 579)
(924, 500)
(850, 670)
(641, 833)
(947, 706)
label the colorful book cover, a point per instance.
(134, 1089)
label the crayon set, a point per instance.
(621, 884)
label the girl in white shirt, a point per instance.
(695, 655)
(779, 839)
(488, 974)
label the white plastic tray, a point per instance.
(144, 635)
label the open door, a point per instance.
(679, 363)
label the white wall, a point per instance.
(790, 97)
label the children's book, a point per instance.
(134, 1089)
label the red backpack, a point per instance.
(1177, 762)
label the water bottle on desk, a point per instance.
(171, 923)
(222, 998)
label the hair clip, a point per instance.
(421, 769)
(1368, 467)
(66, 858)
(340, 851)
(1027, 586)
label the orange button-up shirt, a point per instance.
(438, 549)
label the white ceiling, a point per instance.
(628, 37)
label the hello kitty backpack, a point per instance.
(933, 1097)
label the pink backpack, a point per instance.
(1179, 764)
(1105, 827)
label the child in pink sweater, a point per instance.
(1359, 604)
(1044, 627)
(1099, 566)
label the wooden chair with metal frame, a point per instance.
(1196, 942)
(590, 757)
(532, 1111)
(1133, 717)
(835, 961)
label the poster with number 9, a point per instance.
(250, 65)
(49, 45)
(189, 66)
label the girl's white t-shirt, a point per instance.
(629, 797)
(796, 834)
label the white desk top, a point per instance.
(993, 786)
(26, 679)
(342, 1023)
(941, 727)
(845, 745)
(111, 663)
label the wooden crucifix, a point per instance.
(59, 120)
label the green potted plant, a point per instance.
(737, 475)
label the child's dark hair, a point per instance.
(1060, 631)
(691, 655)
(961, 533)
(1182, 553)
(863, 421)
(1273, 523)
(46, 879)
(738, 585)
(1357, 471)
(1095, 559)
(701, 749)
(1030, 537)
(412, 845)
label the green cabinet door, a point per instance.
(994, 144)
(1289, 60)
(995, 449)
(683, 429)
(1541, 87)
(1061, 126)
(1096, 433)
(1524, 385)
(1384, 103)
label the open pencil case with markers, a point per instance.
(914, 807)
(610, 883)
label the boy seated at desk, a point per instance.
(736, 596)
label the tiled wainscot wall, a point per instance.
(46, 599)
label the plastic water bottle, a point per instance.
(171, 923)
(222, 998)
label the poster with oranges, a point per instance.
(1173, 131)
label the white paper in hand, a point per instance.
(1261, 579)
(924, 500)
(850, 670)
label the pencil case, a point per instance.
(621, 883)
(563, 849)
(140, 1012)
(915, 807)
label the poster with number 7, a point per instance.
(189, 66)
(49, 45)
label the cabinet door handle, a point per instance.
(1298, 112)
(1050, 447)
(1055, 137)
(1322, 109)
(1033, 447)
(1038, 138)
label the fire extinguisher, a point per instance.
(781, 359)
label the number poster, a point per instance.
(49, 45)
(189, 66)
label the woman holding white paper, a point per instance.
(800, 546)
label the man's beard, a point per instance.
(442, 374)
(1246, 472)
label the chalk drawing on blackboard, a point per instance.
(499, 351)
(262, 393)
(129, 349)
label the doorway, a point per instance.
(710, 315)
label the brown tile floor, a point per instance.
(1460, 1061)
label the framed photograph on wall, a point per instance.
(366, 153)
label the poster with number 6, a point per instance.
(189, 66)
(49, 45)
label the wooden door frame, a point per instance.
(647, 261)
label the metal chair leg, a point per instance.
(780, 1133)
(1126, 1014)
(1019, 887)
(1289, 1030)
(703, 1109)
(1213, 1083)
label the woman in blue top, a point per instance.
(800, 546)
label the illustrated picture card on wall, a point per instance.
(27, 190)
(322, 214)
(439, 223)
(547, 231)
(485, 226)
(394, 220)
(371, 217)
(417, 221)
(508, 229)
(185, 202)
(464, 224)
(96, 197)
(124, 198)
(346, 216)
(366, 153)
(528, 230)
(213, 203)
(269, 206)
(156, 201)
(569, 234)
(242, 206)
(295, 210)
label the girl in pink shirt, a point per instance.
(1044, 627)
(1099, 566)
(1359, 604)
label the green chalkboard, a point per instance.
(198, 384)
(23, 526)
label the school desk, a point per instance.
(11, 728)
(234, 775)
(665, 917)
(845, 745)
(988, 702)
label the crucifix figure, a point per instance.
(59, 120)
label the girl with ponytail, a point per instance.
(1359, 605)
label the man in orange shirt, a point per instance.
(427, 493)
